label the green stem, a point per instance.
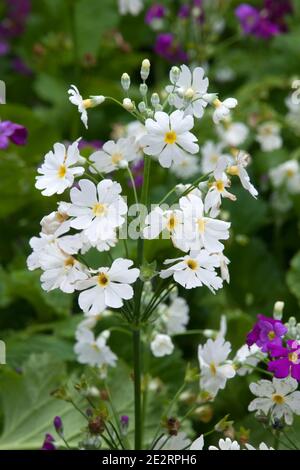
(137, 389)
(133, 185)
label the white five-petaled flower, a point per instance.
(211, 154)
(268, 135)
(215, 367)
(161, 345)
(189, 90)
(178, 442)
(217, 190)
(170, 221)
(247, 358)
(97, 210)
(237, 167)
(288, 174)
(226, 444)
(201, 231)
(58, 170)
(134, 7)
(61, 270)
(168, 137)
(94, 351)
(82, 105)
(262, 446)
(233, 133)
(108, 287)
(277, 397)
(187, 167)
(223, 108)
(175, 316)
(194, 270)
(114, 155)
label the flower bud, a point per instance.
(124, 423)
(143, 89)
(278, 309)
(58, 425)
(128, 104)
(96, 100)
(125, 81)
(145, 69)
(142, 107)
(155, 100)
(174, 74)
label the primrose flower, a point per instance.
(287, 360)
(223, 108)
(268, 135)
(237, 167)
(132, 7)
(217, 190)
(211, 154)
(170, 221)
(94, 351)
(161, 345)
(114, 155)
(82, 105)
(287, 174)
(233, 134)
(166, 46)
(267, 332)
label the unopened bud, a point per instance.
(174, 74)
(58, 425)
(125, 81)
(142, 107)
(278, 310)
(155, 100)
(143, 89)
(145, 69)
(128, 104)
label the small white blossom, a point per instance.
(287, 174)
(237, 167)
(211, 154)
(161, 345)
(268, 135)
(226, 444)
(217, 190)
(197, 444)
(187, 167)
(223, 108)
(94, 351)
(114, 155)
(168, 137)
(176, 315)
(233, 134)
(82, 105)
(170, 221)
(58, 170)
(262, 446)
(247, 358)
(277, 397)
(132, 7)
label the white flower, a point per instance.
(178, 442)
(198, 444)
(176, 316)
(106, 240)
(58, 171)
(97, 210)
(226, 444)
(170, 221)
(108, 287)
(288, 174)
(94, 351)
(224, 261)
(168, 137)
(238, 168)
(262, 446)
(56, 219)
(161, 345)
(61, 270)
(82, 105)
(133, 7)
(217, 190)
(247, 358)
(211, 154)
(187, 167)
(114, 155)
(233, 134)
(268, 135)
(222, 109)
(278, 398)
(201, 231)
(194, 270)
(189, 90)
(216, 369)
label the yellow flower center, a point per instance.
(62, 171)
(172, 222)
(217, 103)
(278, 399)
(213, 368)
(220, 185)
(293, 357)
(61, 217)
(189, 94)
(170, 137)
(103, 279)
(201, 225)
(69, 262)
(95, 346)
(290, 173)
(192, 264)
(233, 170)
(99, 209)
(271, 335)
(87, 103)
(116, 158)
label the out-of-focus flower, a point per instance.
(287, 360)
(226, 444)
(155, 14)
(268, 135)
(132, 7)
(161, 345)
(12, 132)
(266, 332)
(94, 351)
(166, 46)
(49, 443)
(287, 174)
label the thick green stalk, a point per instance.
(137, 389)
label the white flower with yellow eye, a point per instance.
(97, 210)
(58, 170)
(94, 351)
(82, 105)
(194, 270)
(217, 190)
(237, 167)
(233, 134)
(114, 155)
(169, 221)
(211, 154)
(168, 137)
(223, 108)
(108, 287)
(187, 167)
(226, 444)
(268, 136)
(287, 174)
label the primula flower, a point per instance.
(226, 444)
(169, 220)
(132, 7)
(287, 174)
(266, 332)
(237, 167)
(211, 154)
(114, 155)
(161, 345)
(94, 351)
(194, 270)
(287, 360)
(187, 167)
(167, 47)
(168, 137)
(215, 367)
(154, 13)
(189, 90)
(268, 135)
(108, 287)
(58, 170)
(175, 316)
(12, 132)
(217, 190)
(82, 105)
(233, 134)
(278, 398)
(262, 446)
(223, 108)
(49, 443)
(247, 358)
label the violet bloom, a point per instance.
(249, 18)
(287, 362)
(277, 9)
(94, 144)
(267, 332)
(155, 12)
(4, 47)
(58, 425)
(124, 422)
(167, 47)
(48, 443)
(11, 132)
(184, 11)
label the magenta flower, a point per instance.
(287, 362)
(93, 144)
(155, 12)
(11, 132)
(58, 425)
(267, 332)
(249, 18)
(48, 443)
(167, 47)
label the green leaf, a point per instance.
(293, 276)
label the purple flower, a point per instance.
(287, 362)
(94, 144)
(184, 11)
(124, 421)
(167, 47)
(267, 332)
(155, 12)
(249, 17)
(48, 443)
(58, 425)
(277, 9)
(9, 131)
(4, 47)
(20, 67)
